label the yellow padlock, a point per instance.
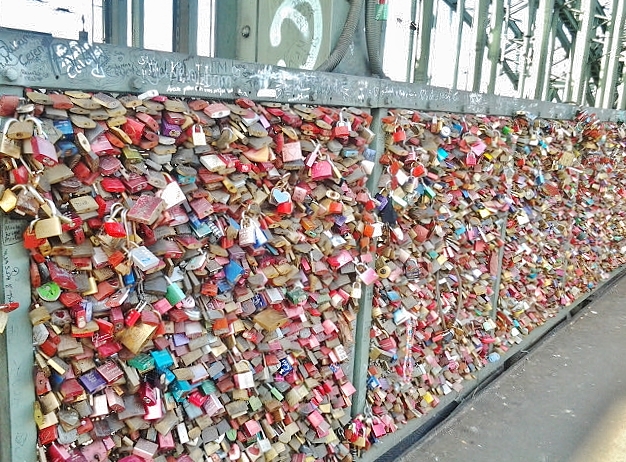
(8, 201)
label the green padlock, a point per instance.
(49, 292)
(174, 293)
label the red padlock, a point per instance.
(134, 129)
(399, 135)
(342, 127)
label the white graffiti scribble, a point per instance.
(72, 58)
(288, 10)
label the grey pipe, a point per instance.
(372, 37)
(345, 39)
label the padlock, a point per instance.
(382, 268)
(470, 159)
(246, 232)
(216, 110)
(22, 129)
(342, 127)
(134, 314)
(322, 169)
(198, 137)
(134, 129)
(10, 147)
(112, 227)
(43, 150)
(292, 152)
(399, 135)
(367, 274)
(48, 227)
(8, 201)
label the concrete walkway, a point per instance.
(563, 402)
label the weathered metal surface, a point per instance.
(28, 59)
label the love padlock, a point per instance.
(177, 259)
(42, 149)
(342, 127)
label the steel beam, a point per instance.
(460, 11)
(579, 72)
(458, 5)
(621, 101)
(410, 68)
(236, 29)
(103, 67)
(360, 363)
(606, 94)
(115, 22)
(18, 436)
(540, 50)
(547, 80)
(525, 56)
(185, 36)
(426, 23)
(137, 18)
(479, 33)
(495, 45)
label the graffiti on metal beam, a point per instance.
(155, 69)
(72, 58)
(398, 94)
(29, 59)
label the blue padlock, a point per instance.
(185, 175)
(180, 389)
(233, 272)
(66, 148)
(162, 359)
(259, 301)
(200, 228)
(64, 126)
(168, 377)
(192, 411)
(285, 367)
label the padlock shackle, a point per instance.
(7, 123)
(38, 126)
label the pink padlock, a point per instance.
(367, 274)
(43, 150)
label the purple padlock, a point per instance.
(92, 381)
(170, 129)
(383, 201)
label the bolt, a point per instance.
(245, 31)
(11, 74)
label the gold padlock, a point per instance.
(52, 226)
(8, 146)
(93, 286)
(135, 337)
(8, 201)
(48, 227)
(20, 129)
(382, 268)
